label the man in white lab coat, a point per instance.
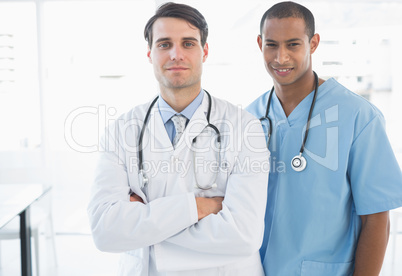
(173, 204)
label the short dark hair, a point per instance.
(182, 11)
(290, 9)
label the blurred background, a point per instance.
(68, 68)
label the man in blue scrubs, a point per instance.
(332, 217)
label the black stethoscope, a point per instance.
(144, 180)
(298, 162)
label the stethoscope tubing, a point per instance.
(266, 117)
(141, 137)
(310, 112)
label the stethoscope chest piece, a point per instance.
(299, 163)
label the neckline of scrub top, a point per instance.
(167, 112)
(300, 113)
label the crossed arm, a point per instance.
(205, 206)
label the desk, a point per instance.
(16, 199)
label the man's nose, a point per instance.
(282, 55)
(176, 53)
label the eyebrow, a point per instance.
(183, 39)
(162, 39)
(287, 41)
(190, 38)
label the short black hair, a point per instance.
(290, 9)
(182, 11)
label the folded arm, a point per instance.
(238, 228)
(205, 206)
(119, 225)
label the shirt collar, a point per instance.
(167, 111)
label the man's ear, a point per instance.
(259, 41)
(314, 42)
(149, 54)
(205, 50)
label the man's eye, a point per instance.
(163, 45)
(188, 44)
(294, 44)
(270, 45)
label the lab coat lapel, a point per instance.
(156, 132)
(198, 122)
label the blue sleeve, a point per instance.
(373, 171)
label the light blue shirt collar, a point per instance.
(167, 111)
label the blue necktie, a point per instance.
(179, 122)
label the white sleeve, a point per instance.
(119, 225)
(237, 230)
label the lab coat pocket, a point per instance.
(311, 268)
(132, 264)
(251, 266)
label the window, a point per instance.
(19, 95)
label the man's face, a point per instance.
(286, 49)
(176, 54)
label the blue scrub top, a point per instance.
(312, 217)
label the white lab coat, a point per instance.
(167, 224)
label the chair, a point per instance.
(39, 217)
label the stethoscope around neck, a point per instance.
(144, 180)
(298, 162)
